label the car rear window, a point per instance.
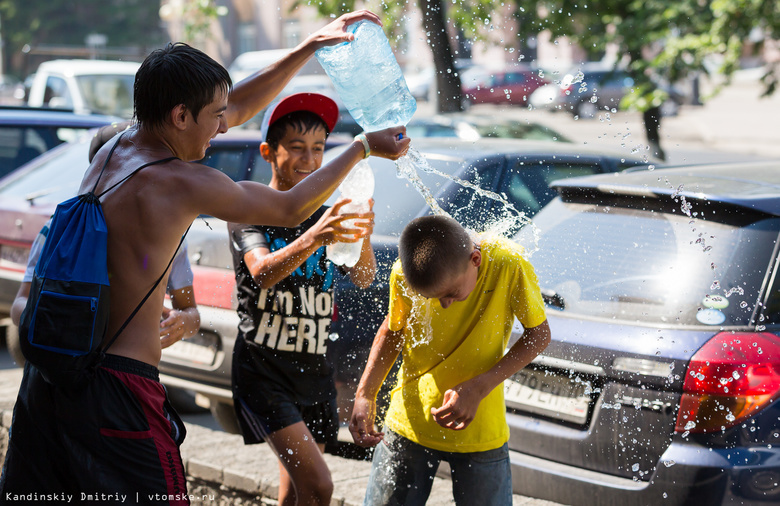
(55, 180)
(19, 144)
(656, 267)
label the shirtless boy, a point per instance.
(119, 435)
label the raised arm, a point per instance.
(387, 344)
(461, 402)
(254, 93)
(213, 193)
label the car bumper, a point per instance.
(692, 475)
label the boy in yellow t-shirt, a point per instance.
(452, 307)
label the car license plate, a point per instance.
(13, 257)
(549, 394)
(196, 349)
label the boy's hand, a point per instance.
(336, 32)
(361, 425)
(459, 407)
(389, 143)
(171, 327)
(330, 227)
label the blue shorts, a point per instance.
(402, 473)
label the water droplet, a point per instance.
(669, 463)
(690, 425)
(635, 467)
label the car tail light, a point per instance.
(732, 377)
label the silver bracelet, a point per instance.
(366, 148)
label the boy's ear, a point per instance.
(476, 257)
(178, 117)
(266, 152)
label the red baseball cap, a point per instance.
(322, 106)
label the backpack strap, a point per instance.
(147, 164)
(156, 283)
(155, 162)
(148, 294)
(107, 159)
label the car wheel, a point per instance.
(12, 341)
(224, 414)
(587, 110)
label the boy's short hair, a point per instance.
(302, 111)
(176, 74)
(432, 249)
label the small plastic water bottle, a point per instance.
(359, 187)
(368, 79)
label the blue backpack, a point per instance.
(65, 320)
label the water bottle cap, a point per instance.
(322, 106)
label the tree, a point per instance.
(68, 22)
(662, 40)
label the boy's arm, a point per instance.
(363, 272)
(20, 302)
(269, 268)
(251, 95)
(461, 402)
(387, 344)
(209, 191)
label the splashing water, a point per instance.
(511, 219)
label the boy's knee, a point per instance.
(319, 486)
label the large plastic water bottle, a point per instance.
(359, 187)
(368, 79)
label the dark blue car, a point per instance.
(662, 380)
(26, 132)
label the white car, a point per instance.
(85, 86)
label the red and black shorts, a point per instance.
(116, 440)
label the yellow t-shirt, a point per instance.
(445, 347)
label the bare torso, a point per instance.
(145, 219)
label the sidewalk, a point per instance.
(222, 471)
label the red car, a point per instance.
(511, 87)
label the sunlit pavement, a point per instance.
(228, 472)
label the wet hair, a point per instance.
(300, 121)
(432, 249)
(176, 74)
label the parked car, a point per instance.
(518, 169)
(26, 132)
(469, 126)
(662, 380)
(594, 87)
(85, 86)
(503, 87)
(423, 82)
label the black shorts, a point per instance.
(321, 419)
(264, 406)
(117, 438)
